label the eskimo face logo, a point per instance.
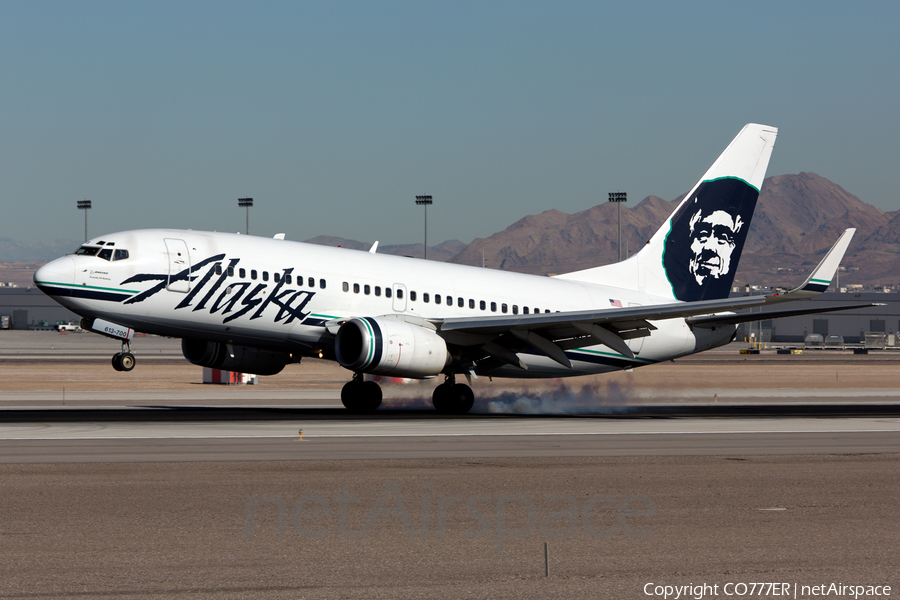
(712, 242)
(703, 247)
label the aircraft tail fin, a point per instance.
(695, 253)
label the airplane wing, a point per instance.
(820, 278)
(711, 321)
(553, 333)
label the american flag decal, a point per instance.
(617, 303)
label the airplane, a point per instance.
(252, 304)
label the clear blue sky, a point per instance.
(334, 115)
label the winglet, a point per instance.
(819, 280)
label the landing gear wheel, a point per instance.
(361, 396)
(453, 399)
(123, 361)
(126, 359)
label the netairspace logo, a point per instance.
(556, 516)
(765, 590)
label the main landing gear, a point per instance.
(124, 360)
(361, 396)
(451, 398)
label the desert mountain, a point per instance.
(797, 218)
(14, 251)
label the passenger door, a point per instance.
(179, 260)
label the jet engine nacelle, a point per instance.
(243, 359)
(385, 346)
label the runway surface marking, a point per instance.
(500, 426)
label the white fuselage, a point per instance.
(280, 295)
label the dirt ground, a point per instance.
(730, 373)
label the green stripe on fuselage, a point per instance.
(86, 287)
(613, 355)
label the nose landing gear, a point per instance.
(451, 398)
(124, 360)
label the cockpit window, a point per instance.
(105, 254)
(87, 251)
(120, 254)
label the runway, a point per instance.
(144, 434)
(146, 484)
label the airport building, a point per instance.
(30, 308)
(851, 325)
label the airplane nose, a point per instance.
(59, 271)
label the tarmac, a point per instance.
(149, 484)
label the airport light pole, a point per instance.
(425, 201)
(246, 203)
(619, 198)
(84, 205)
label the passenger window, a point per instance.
(105, 254)
(493, 307)
(546, 310)
(218, 269)
(276, 277)
(412, 296)
(377, 290)
(366, 289)
(471, 303)
(322, 283)
(387, 292)
(231, 271)
(290, 279)
(460, 302)
(515, 309)
(400, 293)
(242, 273)
(120, 255)
(425, 297)
(483, 305)
(344, 286)
(253, 274)
(524, 310)
(437, 299)
(265, 275)
(355, 288)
